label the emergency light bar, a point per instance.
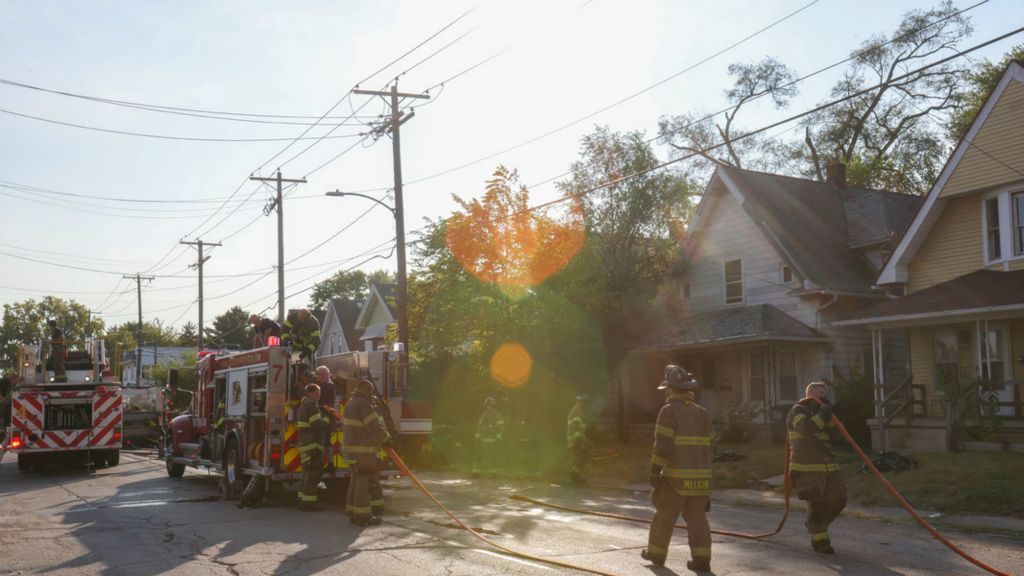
(273, 341)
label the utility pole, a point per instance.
(397, 119)
(138, 339)
(199, 266)
(280, 234)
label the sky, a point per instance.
(516, 83)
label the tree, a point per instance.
(187, 336)
(154, 333)
(186, 371)
(25, 323)
(891, 137)
(980, 83)
(231, 329)
(722, 143)
(629, 225)
(351, 284)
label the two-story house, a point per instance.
(378, 319)
(961, 264)
(338, 332)
(771, 261)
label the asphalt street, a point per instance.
(134, 520)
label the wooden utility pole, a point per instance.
(280, 235)
(199, 266)
(397, 119)
(138, 338)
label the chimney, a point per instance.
(837, 174)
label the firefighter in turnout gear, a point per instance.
(376, 491)
(681, 472)
(58, 352)
(363, 433)
(577, 441)
(813, 468)
(311, 422)
(490, 431)
(302, 331)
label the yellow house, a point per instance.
(961, 265)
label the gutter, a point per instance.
(930, 315)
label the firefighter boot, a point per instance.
(823, 547)
(657, 561)
(701, 565)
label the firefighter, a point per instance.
(490, 431)
(328, 400)
(311, 422)
(577, 441)
(681, 471)
(263, 329)
(813, 469)
(7, 383)
(58, 352)
(376, 490)
(363, 433)
(302, 331)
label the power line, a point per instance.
(28, 188)
(170, 137)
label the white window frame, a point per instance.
(782, 273)
(1017, 222)
(742, 282)
(1006, 225)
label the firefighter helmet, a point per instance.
(678, 378)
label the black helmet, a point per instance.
(678, 378)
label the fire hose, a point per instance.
(786, 483)
(408, 473)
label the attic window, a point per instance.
(993, 241)
(1018, 225)
(787, 274)
(733, 281)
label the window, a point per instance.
(708, 373)
(787, 376)
(992, 238)
(995, 354)
(734, 282)
(1018, 223)
(787, 274)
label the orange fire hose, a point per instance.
(906, 506)
(782, 521)
(406, 472)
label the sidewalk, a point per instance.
(999, 525)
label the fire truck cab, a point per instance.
(241, 420)
(76, 418)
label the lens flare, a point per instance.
(511, 365)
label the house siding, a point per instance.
(953, 247)
(999, 143)
(730, 234)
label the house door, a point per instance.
(996, 367)
(756, 379)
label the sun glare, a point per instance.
(511, 365)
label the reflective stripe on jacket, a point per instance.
(682, 447)
(576, 426)
(362, 432)
(491, 427)
(311, 422)
(809, 436)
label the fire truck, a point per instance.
(80, 418)
(241, 420)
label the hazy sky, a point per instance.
(559, 62)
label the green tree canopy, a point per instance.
(187, 336)
(980, 83)
(351, 284)
(232, 328)
(25, 322)
(186, 371)
(154, 333)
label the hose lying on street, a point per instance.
(408, 473)
(867, 462)
(906, 505)
(778, 528)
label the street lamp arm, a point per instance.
(339, 193)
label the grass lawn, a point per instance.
(955, 483)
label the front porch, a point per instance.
(966, 384)
(752, 363)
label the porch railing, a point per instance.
(891, 403)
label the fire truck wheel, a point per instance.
(174, 469)
(113, 458)
(24, 462)
(234, 481)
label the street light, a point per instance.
(403, 321)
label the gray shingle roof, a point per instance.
(816, 224)
(347, 312)
(747, 323)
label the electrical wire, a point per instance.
(28, 188)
